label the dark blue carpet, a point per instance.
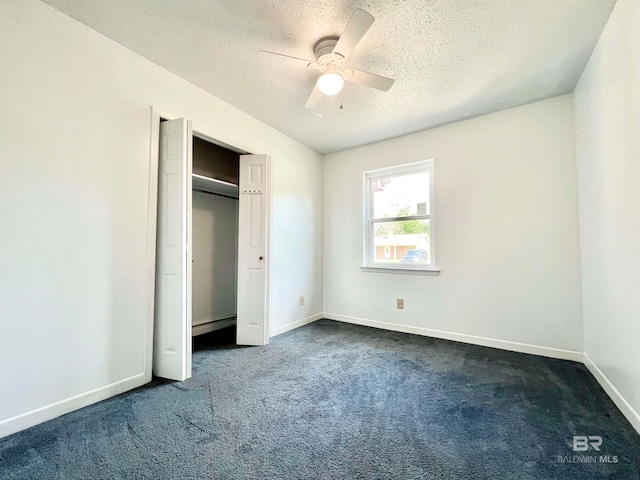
(337, 401)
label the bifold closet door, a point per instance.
(172, 326)
(252, 248)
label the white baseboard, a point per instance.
(49, 412)
(212, 326)
(202, 321)
(460, 337)
(298, 323)
(624, 406)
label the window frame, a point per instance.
(368, 262)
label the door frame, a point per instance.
(209, 134)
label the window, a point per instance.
(398, 219)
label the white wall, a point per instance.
(297, 245)
(75, 149)
(607, 106)
(506, 232)
(215, 257)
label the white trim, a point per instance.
(204, 132)
(212, 326)
(204, 321)
(624, 406)
(268, 250)
(396, 170)
(410, 271)
(461, 337)
(152, 223)
(298, 323)
(188, 254)
(368, 245)
(426, 216)
(49, 412)
(209, 133)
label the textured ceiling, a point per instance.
(452, 59)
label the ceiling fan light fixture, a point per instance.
(330, 83)
(330, 56)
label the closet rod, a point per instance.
(216, 194)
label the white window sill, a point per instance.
(402, 270)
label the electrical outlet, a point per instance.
(400, 303)
(301, 299)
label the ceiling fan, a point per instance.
(331, 53)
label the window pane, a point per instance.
(401, 196)
(406, 241)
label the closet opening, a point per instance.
(215, 179)
(212, 250)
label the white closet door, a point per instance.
(253, 219)
(172, 328)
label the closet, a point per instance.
(215, 236)
(212, 241)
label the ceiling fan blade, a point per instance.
(294, 61)
(371, 80)
(354, 31)
(314, 98)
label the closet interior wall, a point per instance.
(215, 237)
